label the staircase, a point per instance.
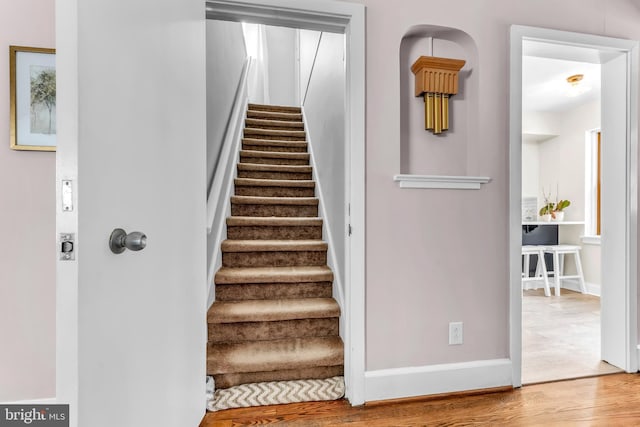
(274, 318)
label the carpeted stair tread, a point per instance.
(273, 245)
(272, 310)
(274, 145)
(274, 168)
(295, 274)
(294, 135)
(273, 355)
(260, 182)
(253, 200)
(273, 221)
(275, 154)
(224, 381)
(273, 124)
(273, 329)
(283, 108)
(274, 115)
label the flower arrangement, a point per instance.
(551, 210)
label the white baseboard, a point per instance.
(43, 401)
(573, 285)
(435, 379)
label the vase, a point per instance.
(559, 216)
(545, 218)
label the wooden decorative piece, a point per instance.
(436, 79)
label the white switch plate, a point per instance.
(455, 333)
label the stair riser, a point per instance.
(274, 108)
(254, 232)
(320, 372)
(277, 136)
(254, 291)
(274, 175)
(263, 191)
(274, 259)
(274, 210)
(293, 126)
(260, 331)
(273, 161)
(274, 148)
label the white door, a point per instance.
(614, 239)
(131, 117)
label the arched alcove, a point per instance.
(422, 152)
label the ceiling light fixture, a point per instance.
(576, 88)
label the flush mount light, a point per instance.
(436, 80)
(576, 87)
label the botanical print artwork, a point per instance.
(43, 99)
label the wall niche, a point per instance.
(422, 152)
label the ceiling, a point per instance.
(545, 86)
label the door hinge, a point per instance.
(349, 229)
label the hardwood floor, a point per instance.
(561, 337)
(612, 400)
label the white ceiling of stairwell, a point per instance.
(545, 68)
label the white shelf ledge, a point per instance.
(552, 222)
(441, 181)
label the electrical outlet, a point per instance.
(455, 333)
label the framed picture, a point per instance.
(32, 93)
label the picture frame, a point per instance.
(32, 97)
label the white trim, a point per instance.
(590, 240)
(609, 46)
(332, 260)
(573, 285)
(441, 181)
(590, 179)
(435, 379)
(43, 401)
(347, 18)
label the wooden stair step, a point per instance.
(273, 124)
(273, 157)
(274, 115)
(278, 108)
(251, 170)
(258, 275)
(274, 145)
(274, 187)
(272, 310)
(261, 356)
(278, 134)
(274, 206)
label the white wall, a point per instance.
(308, 45)
(27, 223)
(282, 65)
(325, 109)
(530, 169)
(226, 55)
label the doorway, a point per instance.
(618, 61)
(348, 19)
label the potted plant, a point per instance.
(558, 212)
(546, 212)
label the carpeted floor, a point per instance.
(561, 337)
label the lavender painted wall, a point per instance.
(435, 256)
(27, 225)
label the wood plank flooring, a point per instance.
(612, 400)
(561, 337)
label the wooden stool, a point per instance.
(541, 269)
(558, 252)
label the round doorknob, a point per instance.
(120, 240)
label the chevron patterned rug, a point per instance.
(276, 392)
